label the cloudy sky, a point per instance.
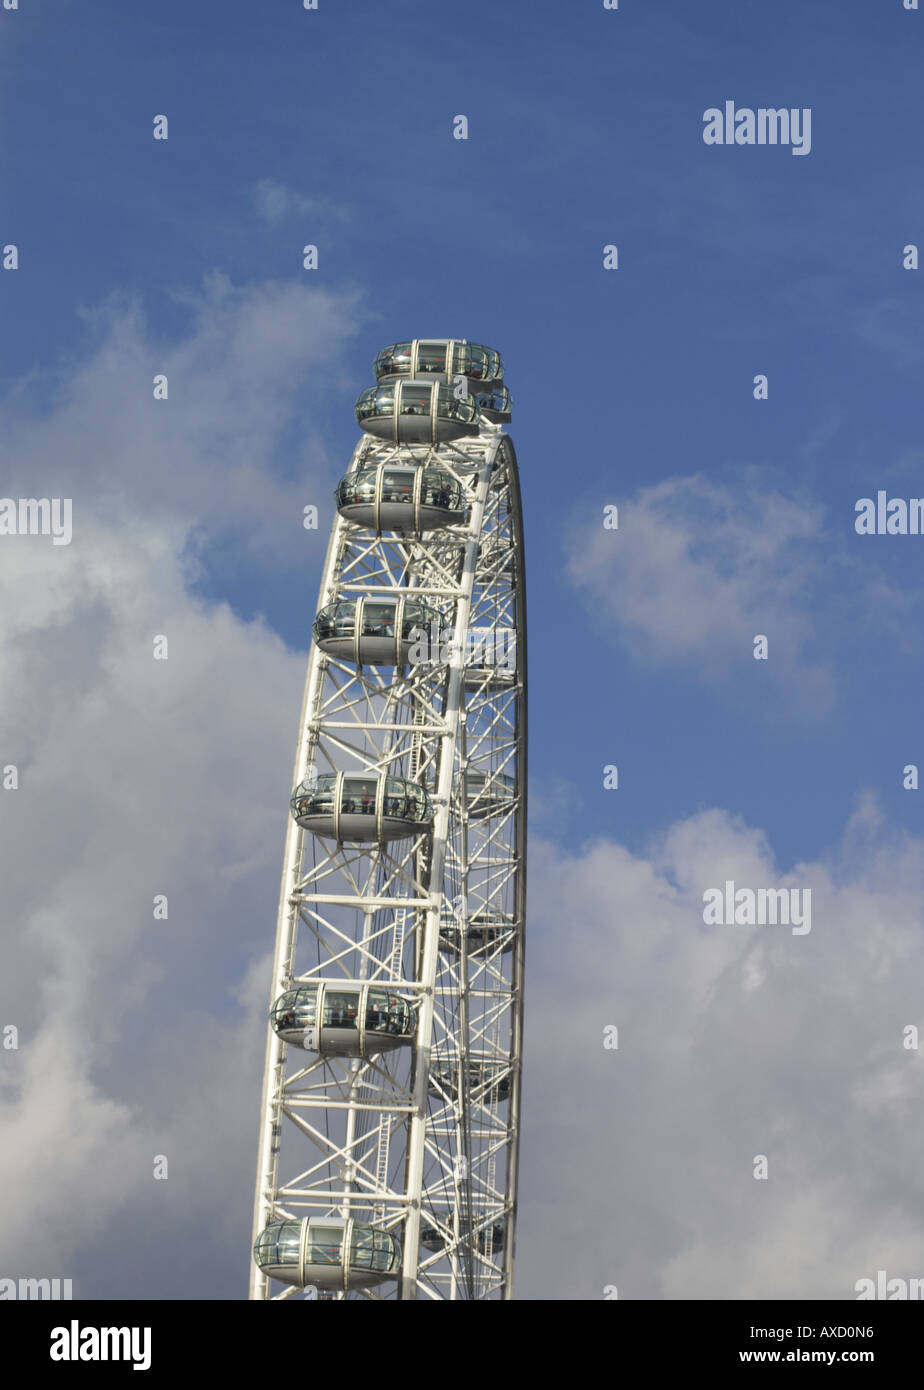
(635, 387)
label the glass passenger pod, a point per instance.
(497, 558)
(400, 497)
(430, 1237)
(489, 1239)
(494, 661)
(489, 794)
(338, 1020)
(361, 806)
(416, 412)
(482, 677)
(496, 405)
(373, 631)
(486, 931)
(488, 1079)
(446, 358)
(327, 1252)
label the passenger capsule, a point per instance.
(488, 1079)
(496, 404)
(483, 677)
(416, 412)
(337, 1020)
(489, 1239)
(496, 558)
(488, 793)
(395, 497)
(493, 661)
(487, 932)
(430, 1237)
(373, 631)
(327, 1252)
(356, 806)
(447, 358)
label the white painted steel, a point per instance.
(376, 1139)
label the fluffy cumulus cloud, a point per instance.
(733, 1042)
(140, 777)
(234, 452)
(694, 572)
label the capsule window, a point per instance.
(325, 1245)
(279, 1244)
(495, 400)
(388, 1013)
(452, 409)
(395, 797)
(358, 487)
(342, 618)
(431, 357)
(296, 1009)
(317, 799)
(371, 1249)
(396, 358)
(415, 400)
(477, 363)
(341, 1008)
(438, 489)
(417, 615)
(378, 619)
(397, 485)
(358, 796)
(376, 400)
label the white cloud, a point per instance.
(275, 203)
(137, 777)
(211, 461)
(695, 572)
(141, 777)
(733, 1042)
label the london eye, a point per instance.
(389, 1132)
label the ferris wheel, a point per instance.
(390, 1113)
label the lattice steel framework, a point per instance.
(420, 1141)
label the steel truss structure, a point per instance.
(420, 1141)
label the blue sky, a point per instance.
(585, 129)
(631, 387)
